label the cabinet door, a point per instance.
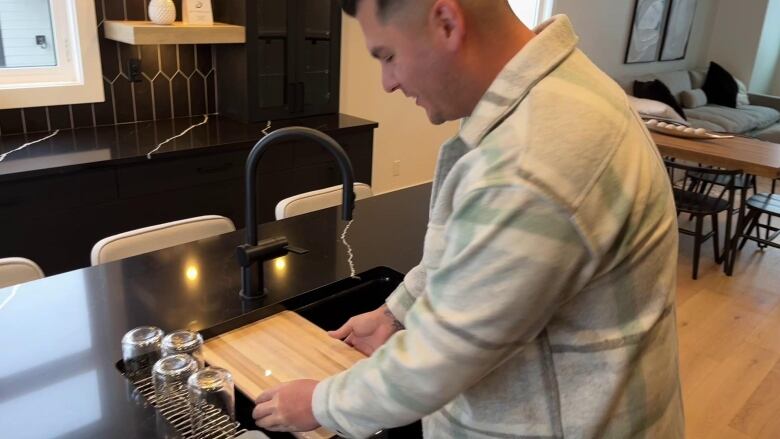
(319, 42)
(274, 53)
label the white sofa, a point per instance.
(756, 115)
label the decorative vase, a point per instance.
(162, 11)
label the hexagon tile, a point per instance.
(176, 81)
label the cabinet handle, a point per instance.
(214, 169)
(301, 89)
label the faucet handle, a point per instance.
(266, 249)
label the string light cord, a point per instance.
(205, 119)
(10, 296)
(350, 255)
(4, 155)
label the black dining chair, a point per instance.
(690, 199)
(768, 229)
(705, 183)
(757, 205)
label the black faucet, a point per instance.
(252, 285)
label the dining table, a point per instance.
(749, 155)
(752, 156)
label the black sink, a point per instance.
(329, 307)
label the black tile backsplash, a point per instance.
(11, 121)
(177, 80)
(35, 119)
(59, 117)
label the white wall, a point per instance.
(404, 133)
(775, 88)
(727, 31)
(604, 27)
(736, 36)
(768, 55)
(20, 22)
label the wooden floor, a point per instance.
(729, 334)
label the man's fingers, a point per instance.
(342, 332)
(267, 395)
(263, 410)
(280, 427)
(271, 422)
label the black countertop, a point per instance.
(60, 336)
(118, 144)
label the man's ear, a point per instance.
(448, 22)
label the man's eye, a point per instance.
(388, 59)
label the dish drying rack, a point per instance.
(177, 412)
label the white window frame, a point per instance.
(76, 79)
(543, 11)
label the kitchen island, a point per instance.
(60, 336)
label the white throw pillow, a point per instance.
(693, 98)
(742, 96)
(651, 108)
(697, 78)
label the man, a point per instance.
(544, 302)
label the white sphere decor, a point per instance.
(162, 11)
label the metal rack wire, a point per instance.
(215, 424)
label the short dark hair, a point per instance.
(383, 7)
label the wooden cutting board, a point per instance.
(280, 348)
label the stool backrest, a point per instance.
(149, 239)
(18, 270)
(316, 200)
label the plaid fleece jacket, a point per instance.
(543, 306)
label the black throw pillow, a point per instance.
(720, 87)
(657, 91)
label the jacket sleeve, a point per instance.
(509, 257)
(401, 300)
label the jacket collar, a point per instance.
(555, 40)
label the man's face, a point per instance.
(412, 59)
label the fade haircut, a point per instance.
(385, 8)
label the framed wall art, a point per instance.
(647, 30)
(678, 29)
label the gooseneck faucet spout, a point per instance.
(251, 255)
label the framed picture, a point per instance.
(197, 12)
(678, 29)
(647, 29)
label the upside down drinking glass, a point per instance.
(210, 389)
(169, 377)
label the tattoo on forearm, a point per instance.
(396, 324)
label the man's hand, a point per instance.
(287, 407)
(367, 332)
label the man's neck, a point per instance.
(491, 51)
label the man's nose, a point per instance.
(388, 81)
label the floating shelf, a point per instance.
(146, 32)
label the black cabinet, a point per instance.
(289, 65)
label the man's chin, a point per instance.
(435, 118)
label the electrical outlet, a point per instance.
(396, 168)
(134, 70)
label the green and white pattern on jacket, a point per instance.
(544, 303)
